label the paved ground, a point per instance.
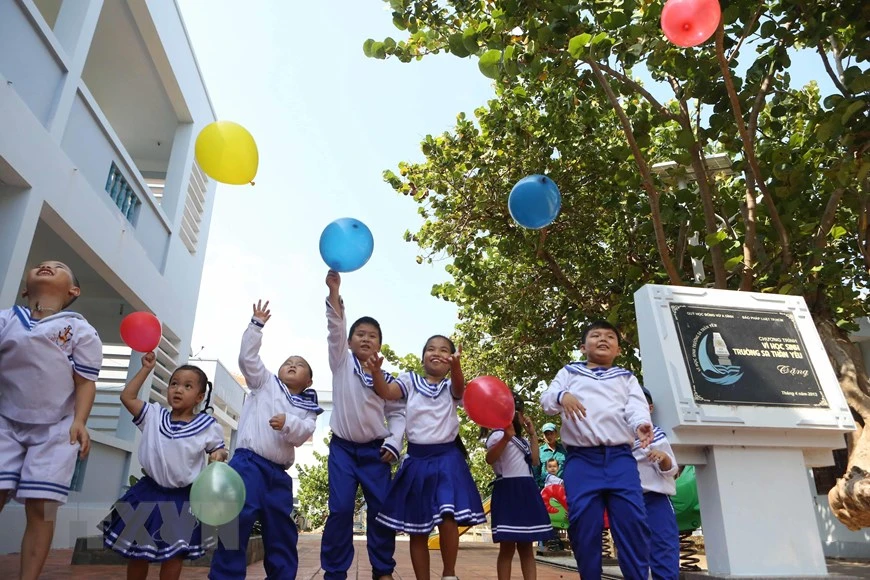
(476, 561)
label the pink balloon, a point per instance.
(489, 402)
(690, 22)
(141, 331)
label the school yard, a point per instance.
(476, 562)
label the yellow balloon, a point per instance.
(226, 152)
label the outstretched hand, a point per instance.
(333, 281)
(373, 363)
(262, 312)
(456, 359)
(645, 435)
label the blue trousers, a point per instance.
(606, 477)
(664, 538)
(351, 465)
(269, 498)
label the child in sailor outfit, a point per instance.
(362, 447)
(603, 411)
(434, 484)
(152, 521)
(279, 415)
(519, 517)
(49, 361)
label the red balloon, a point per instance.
(690, 22)
(141, 331)
(489, 402)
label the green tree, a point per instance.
(314, 489)
(792, 219)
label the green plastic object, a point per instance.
(560, 518)
(217, 495)
(686, 504)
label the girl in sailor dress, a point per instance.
(519, 517)
(433, 485)
(152, 521)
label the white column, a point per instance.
(757, 513)
(19, 215)
(74, 29)
(178, 175)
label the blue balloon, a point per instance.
(346, 245)
(535, 201)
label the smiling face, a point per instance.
(436, 356)
(51, 278)
(296, 374)
(185, 391)
(601, 347)
(364, 341)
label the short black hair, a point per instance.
(600, 323)
(367, 320)
(553, 459)
(428, 340)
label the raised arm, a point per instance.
(130, 395)
(335, 322)
(389, 391)
(250, 363)
(497, 442)
(533, 441)
(457, 380)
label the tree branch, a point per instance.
(825, 224)
(646, 177)
(830, 71)
(749, 148)
(746, 31)
(639, 88)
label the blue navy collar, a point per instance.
(306, 400)
(599, 373)
(365, 378)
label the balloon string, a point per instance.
(252, 183)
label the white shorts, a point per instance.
(37, 461)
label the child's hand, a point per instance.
(149, 359)
(644, 434)
(387, 455)
(373, 363)
(574, 409)
(454, 359)
(262, 312)
(529, 426)
(333, 281)
(219, 455)
(277, 422)
(78, 433)
(656, 456)
(509, 431)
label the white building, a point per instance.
(100, 105)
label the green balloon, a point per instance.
(686, 504)
(560, 518)
(217, 495)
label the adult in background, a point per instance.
(551, 449)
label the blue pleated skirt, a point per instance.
(518, 512)
(154, 523)
(433, 481)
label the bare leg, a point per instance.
(505, 558)
(527, 560)
(41, 515)
(449, 533)
(420, 555)
(137, 569)
(171, 569)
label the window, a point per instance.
(122, 194)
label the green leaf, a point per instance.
(469, 38)
(457, 45)
(852, 109)
(685, 138)
(367, 47)
(732, 263)
(399, 22)
(715, 239)
(379, 51)
(397, 5)
(489, 64)
(825, 131)
(577, 46)
(838, 232)
(389, 45)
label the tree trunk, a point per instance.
(850, 497)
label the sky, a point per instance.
(328, 121)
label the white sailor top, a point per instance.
(430, 410)
(515, 460)
(268, 397)
(358, 413)
(614, 402)
(173, 453)
(551, 479)
(37, 362)
(652, 478)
